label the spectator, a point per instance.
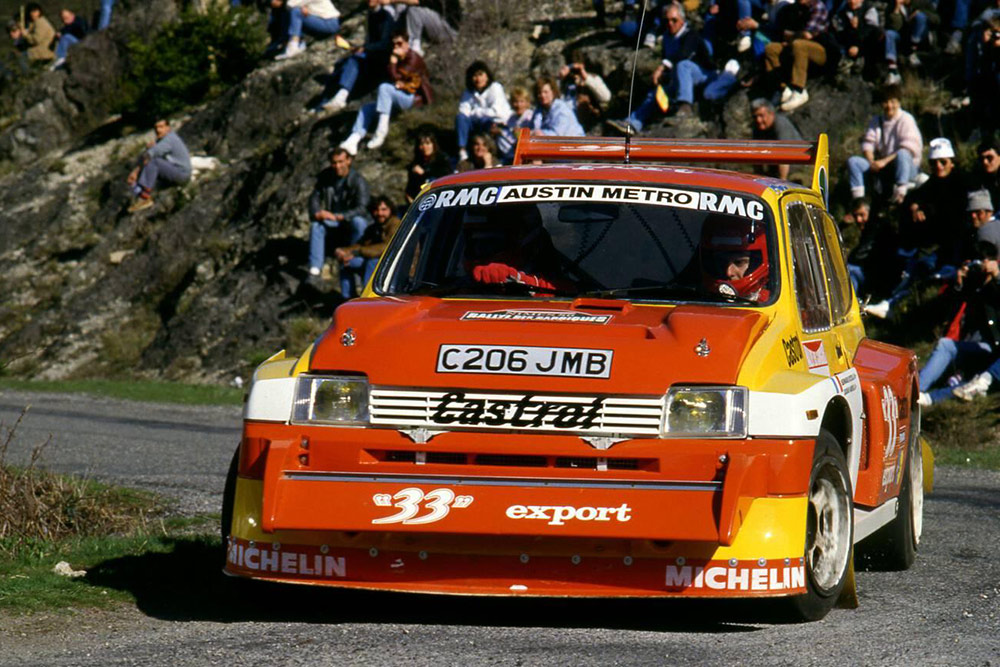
(318, 18)
(866, 261)
(987, 172)
(977, 285)
(437, 20)
(339, 204)
(686, 63)
(408, 86)
(38, 34)
(770, 125)
(584, 91)
(802, 26)
(857, 28)
(892, 138)
(553, 116)
(981, 215)
(506, 137)
(74, 29)
(166, 161)
(929, 240)
(367, 64)
(277, 27)
(984, 86)
(482, 154)
(429, 162)
(908, 20)
(360, 259)
(104, 18)
(483, 104)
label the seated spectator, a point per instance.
(802, 26)
(977, 285)
(482, 154)
(982, 216)
(930, 241)
(429, 162)
(483, 104)
(553, 116)
(866, 260)
(166, 161)
(584, 91)
(907, 20)
(73, 30)
(38, 34)
(104, 19)
(435, 19)
(686, 64)
(338, 205)
(726, 21)
(408, 86)
(891, 147)
(984, 84)
(359, 260)
(318, 18)
(986, 175)
(277, 27)
(506, 136)
(366, 65)
(858, 29)
(771, 125)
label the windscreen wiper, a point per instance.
(669, 291)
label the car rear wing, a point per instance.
(534, 149)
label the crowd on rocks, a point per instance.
(914, 225)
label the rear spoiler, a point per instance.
(532, 149)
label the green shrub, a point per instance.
(190, 61)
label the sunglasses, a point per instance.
(940, 160)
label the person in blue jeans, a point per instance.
(338, 206)
(360, 259)
(105, 16)
(978, 283)
(74, 28)
(318, 18)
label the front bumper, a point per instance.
(710, 518)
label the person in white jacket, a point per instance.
(318, 18)
(483, 104)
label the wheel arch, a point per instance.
(838, 422)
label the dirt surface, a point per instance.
(944, 611)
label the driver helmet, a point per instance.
(734, 257)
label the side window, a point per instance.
(837, 280)
(810, 288)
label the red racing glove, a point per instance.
(499, 273)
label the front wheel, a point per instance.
(829, 531)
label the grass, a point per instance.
(159, 392)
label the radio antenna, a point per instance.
(631, 85)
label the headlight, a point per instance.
(718, 412)
(331, 400)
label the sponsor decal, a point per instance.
(890, 415)
(849, 382)
(558, 515)
(427, 202)
(508, 360)
(736, 578)
(267, 558)
(528, 411)
(569, 316)
(889, 475)
(816, 357)
(483, 195)
(793, 350)
(411, 501)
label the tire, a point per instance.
(829, 531)
(895, 545)
(228, 501)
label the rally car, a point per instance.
(591, 374)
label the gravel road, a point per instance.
(944, 611)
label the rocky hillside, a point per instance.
(211, 280)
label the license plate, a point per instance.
(509, 360)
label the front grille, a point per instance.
(633, 416)
(516, 460)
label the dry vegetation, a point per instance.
(38, 506)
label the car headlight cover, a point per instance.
(718, 412)
(331, 400)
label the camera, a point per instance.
(976, 275)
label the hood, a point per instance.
(589, 345)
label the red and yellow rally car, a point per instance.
(591, 374)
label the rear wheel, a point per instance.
(894, 546)
(829, 531)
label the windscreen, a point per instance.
(570, 240)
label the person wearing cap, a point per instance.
(981, 215)
(986, 175)
(929, 242)
(891, 147)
